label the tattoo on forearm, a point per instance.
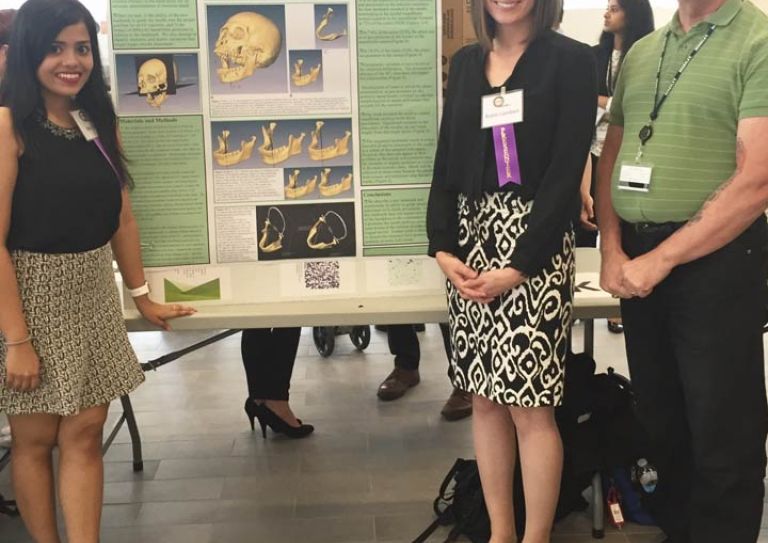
(741, 154)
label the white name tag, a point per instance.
(502, 109)
(634, 176)
(84, 124)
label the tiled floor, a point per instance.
(368, 474)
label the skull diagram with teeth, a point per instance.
(247, 41)
(152, 81)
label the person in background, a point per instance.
(65, 211)
(517, 124)
(404, 345)
(626, 21)
(268, 358)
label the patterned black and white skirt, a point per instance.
(511, 351)
(72, 307)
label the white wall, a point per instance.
(584, 18)
(586, 24)
(98, 8)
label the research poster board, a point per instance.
(280, 149)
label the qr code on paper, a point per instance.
(322, 275)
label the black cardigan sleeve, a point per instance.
(442, 219)
(557, 198)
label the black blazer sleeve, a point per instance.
(558, 195)
(442, 218)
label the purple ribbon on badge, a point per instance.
(507, 161)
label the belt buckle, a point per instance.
(644, 227)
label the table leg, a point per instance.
(589, 337)
(133, 430)
(598, 513)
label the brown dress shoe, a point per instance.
(397, 384)
(458, 406)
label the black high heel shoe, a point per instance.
(268, 418)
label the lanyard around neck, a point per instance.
(646, 133)
(610, 77)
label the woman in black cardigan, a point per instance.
(500, 224)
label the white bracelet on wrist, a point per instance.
(19, 342)
(139, 291)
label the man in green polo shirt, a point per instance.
(682, 190)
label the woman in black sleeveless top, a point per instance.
(64, 350)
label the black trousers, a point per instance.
(268, 358)
(404, 344)
(695, 354)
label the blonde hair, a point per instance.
(545, 15)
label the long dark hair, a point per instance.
(638, 22)
(35, 28)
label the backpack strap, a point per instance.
(423, 536)
(449, 478)
(454, 535)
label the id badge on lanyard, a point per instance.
(636, 175)
(500, 112)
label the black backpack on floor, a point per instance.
(460, 503)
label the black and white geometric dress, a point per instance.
(511, 350)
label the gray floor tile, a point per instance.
(162, 491)
(319, 530)
(180, 512)
(226, 467)
(259, 508)
(121, 452)
(400, 527)
(189, 533)
(123, 471)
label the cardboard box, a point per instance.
(457, 30)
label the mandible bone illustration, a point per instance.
(272, 155)
(152, 81)
(247, 41)
(293, 190)
(340, 146)
(300, 79)
(224, 156)
(327, 189)
(324, 22)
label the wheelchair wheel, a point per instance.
(325, 339)
(361, 337)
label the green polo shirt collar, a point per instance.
(722, 17)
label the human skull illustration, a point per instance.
(153, 82)
(247, 41)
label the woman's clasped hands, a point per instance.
(481, 287)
